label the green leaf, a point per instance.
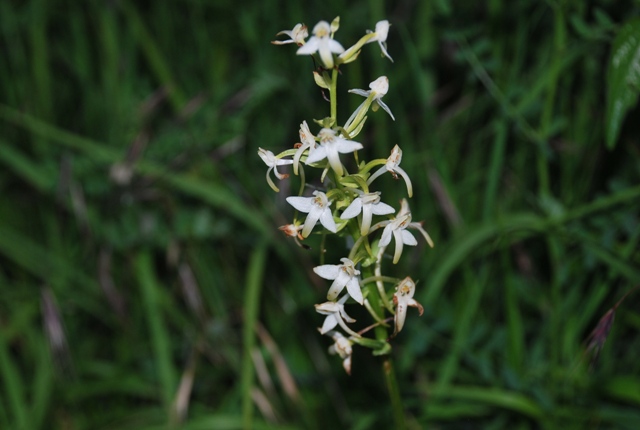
(623, 78)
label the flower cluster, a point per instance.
(345, 203)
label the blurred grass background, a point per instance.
(144, 284)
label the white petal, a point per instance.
(325, 53)
(312, 220)
(329, 323)
(353, 287)
(399, 245)
(310, 47)
(283, 162)
(320, 153)
(267, 156)
(327, 271)
(347, 146)
(401, 315)
(334, 158)
(362, 93)
(367, 216)
(382, 209)
(338, 285)
(326, 219)
(353, 209)
(335, 46)
(380, 86)
(386, 108)
(382, 30)
(386, 236)
(343, 313)
(303, 204)
(408, 239)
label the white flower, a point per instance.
(297, 35)
(393, 166)
(308, 141)
(397, 228)
(322, 43)
(318, 208)
(369, 204)
(403, 298)
(336, 315)
(379, 88)
(342, 275)
(381, 32)
(273, 162)
(330, 146)
(342, 347)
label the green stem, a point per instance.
(394, 393)
(387, 364)
(333, 95)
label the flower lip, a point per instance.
(403, 299)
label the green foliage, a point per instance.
(144, 284)
(623, 78)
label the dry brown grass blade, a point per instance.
(282, 369)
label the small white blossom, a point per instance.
(273, 162)
(381, 33)
(330, 145)
(342, 275)
(318, 208)
(403, 298)
(393, 166)
(378, 89)
(322, 43)
(297, 35)
(308, 141)
(369, 204)
(397, 228)
(342, 347)
(336, 315)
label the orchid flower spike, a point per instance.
(297, 35)
(397, 228)
(273, 162)
(403, 298)
(342, 275)
(330, 145)
(318, 208)
(381, 32)
(393, 166)
(322, 43)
